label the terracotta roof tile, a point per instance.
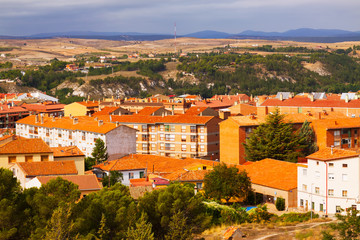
(272, 173)
(147, 111)
(326, 154)
(70, 151)
(195, 110)
(105, 111)
(5, 108)
(306, 102)
(89, 103)
(183, 175)
(85, 182)
(84, 124)
(48, 168)
(23, 146)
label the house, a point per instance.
(112, 111)
(87, 183)
(272, 179)
(179, 136)
(70, 153)
(84, 108)
(9, 114)
(48, 109)
(26, 171)
(154, 111)
(329, 181)
(82, 132)
(17, 149)
(136, 166)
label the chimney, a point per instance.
(332, 149)
(311, 97)
(236, 103)
(110, 118)
(100, 123)
(75, 121)
(172, 112)
(42, 118)
(70, 116)
(95, 118)
(281, 97)
(117, 124)
(136, 111)
(89, 114)
(346, 98)
(53, 118)
(36, 118)
(119, 112)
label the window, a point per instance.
(70, 135)
(44, 158)
(31, 129)
(202, 138)
(336, 143)
(144, 146)
(167, 128)
(167, 146)
(153, 146)
(202, 148)
(344, 193)
(59, 133)
(338, 209)
(331, 192)
(142, 174)
(192, 138)
(317, 163)
(202, 129)
(161, 136)
(145, 137)
(143, 128)
(193, 148)
(131, 175)
(29, 158)
(193, 129)
(183, 147)
(12, 159)
(248, 130)
(135, 126)
(83, 136)
(183, 138)
(301, 202)
(153, 137)
(47, 132)
(344, 141)
(344, 165)
(331, 176)
(199, 185)
(331, 164)
(337, 133)
(317, 190)
(183, 128)
(312, 205)
(162, 146)
(317, 174)
(355, 131)
(36, 130)
(345, 177)
(304, 187)
(153, 128)
(304, 172)
(172, 128)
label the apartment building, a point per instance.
(81, 132)
(49, 109)
(178, 136)
(330, 181)
(9, 114)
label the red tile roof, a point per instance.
(326, 154)
(148, 111)
(44, 107)
(71, 151)
(184, 175)
(89, 103)
(186, 119)
(5, 108)
(195, 110)
(272, 173)
(85, 182)
(306, 102)
(48, 168)
(25, 146)
(84, 123)
(153, 163)
(105, 111)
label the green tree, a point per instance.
(160, 205)
(99, 152)
(103, 231)
(348, 225)
(113, 178)
(306, 137)
(273, 139)
(178, 229)
(226, 182)
(60, 225)
(141, 231)
(280, 204)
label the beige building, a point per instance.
(71, 153)
(81, 108)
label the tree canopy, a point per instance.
(226, 182)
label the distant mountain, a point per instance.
(88, 33)
(208, 34)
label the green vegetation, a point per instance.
(226, 182)
(348, 226)
(6, 49)
(6, 65)
(277, 139)
(280, 204)
(98, 155)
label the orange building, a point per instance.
(178, 136)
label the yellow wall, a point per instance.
(79, 163)
(4, 160)
(75, 109)
(289, 196)
(230, 142)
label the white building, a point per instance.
(82, 132)
(330, 181)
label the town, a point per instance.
(295, 152)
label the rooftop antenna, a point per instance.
(175, 35)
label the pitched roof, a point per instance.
(106, 111)
(326, 154)
(302, 101)
(70, 151)
(186, 119)
(24, 146)
(337, 123)
(89, 103)
(195, 110)
(85, 123)
(7, 108)
(147, 111)
(85, 182)
(184, 175)
(48, 168)
(155, 164)
(272, 173)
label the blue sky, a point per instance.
(23, 17)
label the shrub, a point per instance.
(260, 214)
(296, 217)
(280, 204)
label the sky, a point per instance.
(26, 17)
